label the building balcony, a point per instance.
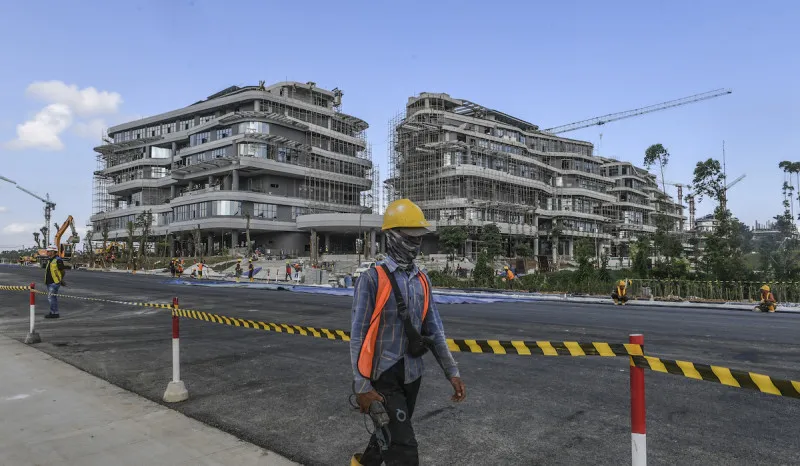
(129, 187)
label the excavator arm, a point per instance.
(69, 223)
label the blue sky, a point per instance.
(550, 63)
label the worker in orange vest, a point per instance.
(394, 323)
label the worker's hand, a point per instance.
(459, 389)
(366, 399)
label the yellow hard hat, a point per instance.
(765, 288)
(621, 283)
(240, 260)
(505, 268)
(403, 213)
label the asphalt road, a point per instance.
(289, 393)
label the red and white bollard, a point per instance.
(33, 337)
(638, 410)
(176, 389)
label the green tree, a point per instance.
(603, 273)
(451, 239)
(640, 257)
(491, 241)
(36, 238)
(483, 273)
(584, 255)
(131, 230)
(723, 255)
(657, 153)
(789, 168)
(524, 250)
(709, 181)
(145, 223)
(88, 248)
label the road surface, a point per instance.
(289, 393)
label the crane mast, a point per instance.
(49, 207)
(601, 120)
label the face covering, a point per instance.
(402, 248)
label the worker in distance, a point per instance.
(394, 323)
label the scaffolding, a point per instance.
(467, 165)
(459, 182)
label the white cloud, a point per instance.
(84, 102)
(16, 228)
(64, 101)
(44, 129)
(92, 129)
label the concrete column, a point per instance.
(235, 180)
(210, 246)
(172, 192)
(235, 238)
(174, 155)
(536, 246)
(383, 243)
(327, 243)
(372, 244)
(257, 105)
(314, 248)
(171, 245)
(210, 181)
(226, 183)
(571, 247)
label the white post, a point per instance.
(176, 389)
(33, 337)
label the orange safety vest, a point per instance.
(510, 274)
(366, 356)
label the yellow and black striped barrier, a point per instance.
(720, 375)
(519, 347)
(545, 348)
(112, 301)
(14, 288)
(268, 326)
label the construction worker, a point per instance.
(509, 277)
(238, 271)
(251, 271)
(179, 268)
(620, 293)
(767, 303)
(288, 271)
(200, 269)
(53, 279)
(172, 267)
(392, 310)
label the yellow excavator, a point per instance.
(67, 249)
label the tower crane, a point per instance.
(49, 206)
(601, 120)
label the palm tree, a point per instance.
(789, 168)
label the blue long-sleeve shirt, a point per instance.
(391, 344)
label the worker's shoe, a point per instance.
(356, 460)
(50, 315)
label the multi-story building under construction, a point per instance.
(281, 159)
(468, 165)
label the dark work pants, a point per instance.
(617, 297)
(400, 399)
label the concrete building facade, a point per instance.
(263, 156)
(468, 165)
